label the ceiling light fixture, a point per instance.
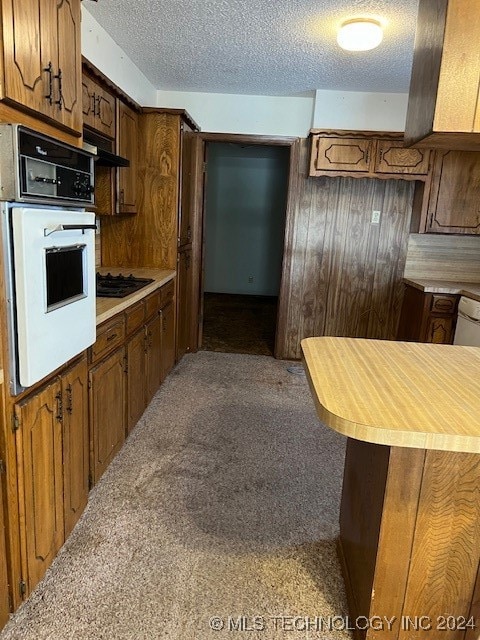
(360, 34)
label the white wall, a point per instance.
(102, 51)
(258, 115)
(360, 111)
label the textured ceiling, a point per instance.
(265, 47)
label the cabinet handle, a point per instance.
(49, 95)
(367, 156)
(93, 104)
(122, 196)
(112, 337)
(96, 110)
(69, 399)
(189, 233)
(381, 155)
(58, 398)
(60, 89)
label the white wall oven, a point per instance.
(49, 252)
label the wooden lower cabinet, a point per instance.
(427, 317)
(4, 601)
(153, 356)
(75, 444)
(184, 302)
(168, 339)
(136, 400)
(107, 406)
(40, 464)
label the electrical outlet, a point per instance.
(250, 279)
(376, 217)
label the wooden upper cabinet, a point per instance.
(394, 157)
(69, 64)
(366, 154)
(443, 105)
(454, 200)
(98, 106)
(342, 154)
(127, 141)
(42, 65)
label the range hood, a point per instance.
(101, 147)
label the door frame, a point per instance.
(199, 177)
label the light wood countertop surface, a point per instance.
(403, 394)
(468, 289)
(108, 307)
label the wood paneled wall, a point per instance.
(149, 239)
(342, 274)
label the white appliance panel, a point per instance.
(49, 338)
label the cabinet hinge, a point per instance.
(2, 467)
(125, 364)
(89, 384)
(90, 481)
(204, 167)
(22, 587)
(15, 422)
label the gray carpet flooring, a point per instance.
(222, 503)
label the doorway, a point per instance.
(244, 227)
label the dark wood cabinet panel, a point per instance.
(454, 200)
(127, 141)
(184, 302)
(394, 157)
(153, 364)
(40, 461)
(4, 602)
(107, 405)
(75, 444)
(427, 317)
(342, 154)
(136, 396)
(185, 233)
(99, 107)
(69, 64)
(168, 338)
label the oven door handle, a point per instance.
(68, 227)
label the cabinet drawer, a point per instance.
(443, 303)
(134, 317)
(109, 336)
(167, 292)
(152, 303)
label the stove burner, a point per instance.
(119, 286)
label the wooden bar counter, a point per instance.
(409, 540)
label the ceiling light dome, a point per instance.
(360, 34)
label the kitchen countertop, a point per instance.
(403, 394)
(468, 289)
(108, 307)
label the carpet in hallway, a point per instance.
(223, 502)
(239, 323)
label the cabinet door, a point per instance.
(127, 137)
(4, 604)
(29, 50)
(136, 394)
(69, 64)
(88, 102)
(105, 111)
(454, 202)
(187, 186)
(107, 404)
(153, 363)
(75, 444)
(393, 157)
(343, 154)
(168, 339)
(440, 330)
(184, 303)
(39, 452)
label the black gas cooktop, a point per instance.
(119, 286)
